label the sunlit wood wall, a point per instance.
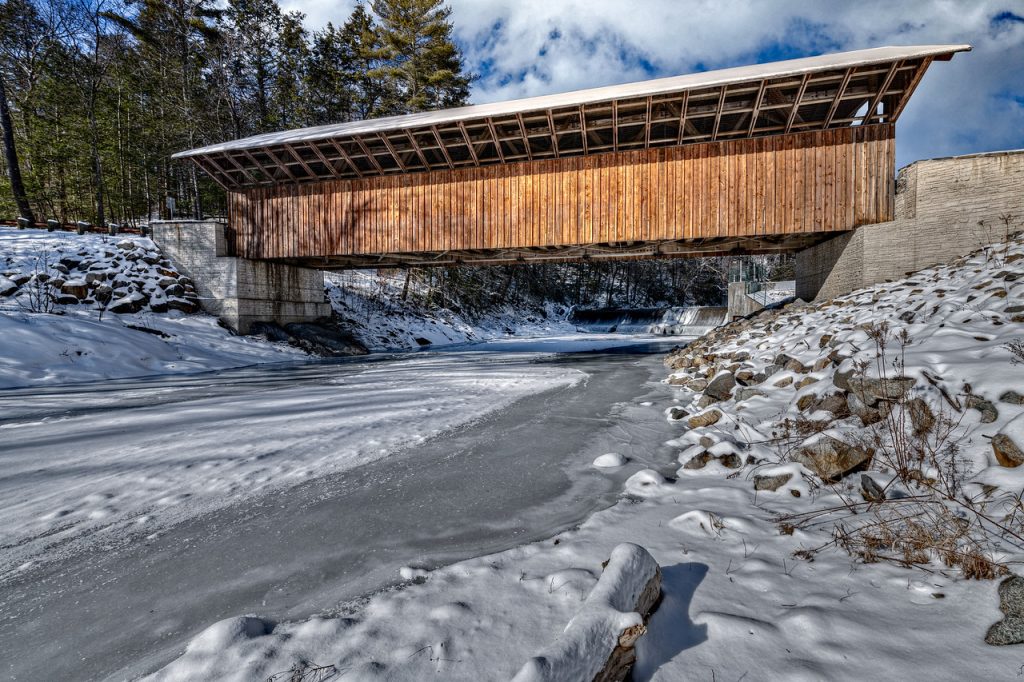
(823, 181)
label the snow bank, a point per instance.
(612, 616)
(79, 341)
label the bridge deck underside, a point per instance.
(683, 248)
(759, 195)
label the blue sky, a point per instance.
(521, 48)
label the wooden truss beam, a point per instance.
(348, 159)
(838, 98)
(914, 82)
(323, 159)
(877, 99)
(444, 149)
(469, 143)
(369, 155)
(797, 101)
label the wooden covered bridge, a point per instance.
(745, 160)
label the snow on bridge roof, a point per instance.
(812, 93)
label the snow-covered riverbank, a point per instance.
(72, 339)
(745, 596)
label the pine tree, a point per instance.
(373, 90)
(253, 29)
(423, 60)
(292, 58)
(328, 91)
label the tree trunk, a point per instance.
(97, 167)
(11, 156)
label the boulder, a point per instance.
(698, 461)
(989, 413)
(794, 365)
(873, 391)
(21, 279)
(867, 415)
(1008, 452)
(183, 304)
(174, 289)
(731, 460)
(704, 419)
(870, 490)
(720, 387)
(783, 382)
(1012, 397)
(830, 402)
(696, 385)
(832, 458)
(1010, 630)
(771, 483)
(744, 377)
(842, 379)
(76, 288)
(102, 293)
(66, 299)
(127, 304)
(746, 393)
(7, 286)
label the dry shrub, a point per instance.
(926, 515)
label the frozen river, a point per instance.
(137, 512)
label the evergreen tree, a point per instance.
(329, 92)
(423, 60)
(292, 57)
(253, 30)
(374, 92)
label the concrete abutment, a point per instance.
(945, 208)
(239, 291)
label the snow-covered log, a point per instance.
(597, 644)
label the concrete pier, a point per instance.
(945, 208)
(239, 291)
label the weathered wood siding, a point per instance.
(823, 181)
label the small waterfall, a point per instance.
(673, 321)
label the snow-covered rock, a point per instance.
(610, 460)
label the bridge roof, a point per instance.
(813, 93)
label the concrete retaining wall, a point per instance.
(945, 208)
(236, 290)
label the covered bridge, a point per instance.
(744, 160)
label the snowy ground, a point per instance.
(78, 342)
(738, 604)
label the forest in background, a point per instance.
(95, 95)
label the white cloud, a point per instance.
(533, 47)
